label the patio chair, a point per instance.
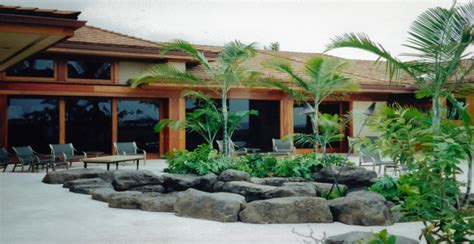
(233, 147)
(4, 159)
(28, 157)
(66, 153)
(129, 148)
(374, 159)
(283, 147)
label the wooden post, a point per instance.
(62, 121)
(3, 121)
(470, 106)
(114, 109)
(286, 116)
(176, 111)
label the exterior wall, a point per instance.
(129, 69)
(358, 117)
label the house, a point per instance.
(73, 87)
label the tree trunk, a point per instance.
(225, 139)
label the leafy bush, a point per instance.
(336, 160)
(387, 187)
(203, 160)
(300, 166)
(257, 165)
(383, 238)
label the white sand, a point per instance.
(34, 212)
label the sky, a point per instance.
(298, 25)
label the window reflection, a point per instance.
(89, 124)
(136, 120)
(33, 121)
(89, 69)
(33, 68)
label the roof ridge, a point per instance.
(124, 35)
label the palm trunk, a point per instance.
(316, 125)
(225, 135)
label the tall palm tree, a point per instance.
(227, 71)
(322, 78)
(439, 41)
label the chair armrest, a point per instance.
(143, 151)
(80, 152)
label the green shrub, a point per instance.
(257, 165)
(300, 166)
(387, 187)
(203, 160)
(336, 160)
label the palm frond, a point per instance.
(235, 53)
(189, 49)
(163, 72)
(363, 42)
(285, 67)
(297, 95)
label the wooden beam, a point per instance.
(286, 117)
(177, 111)
(114, 123)
(3, 121)
(62, 121)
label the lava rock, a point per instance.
(350, 176)
(127, 179)
(356, 237)
(59, 177)
(233, 175)
(177, 182)
(250, 190)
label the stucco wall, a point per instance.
(358, 108)
(129, 69)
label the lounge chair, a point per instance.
(28, 157)
(234, 149)
(129, 148)
(66, 153)
(374, 159)
(4, 159)
(283, 147)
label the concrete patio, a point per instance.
(33, 212)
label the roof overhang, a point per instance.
(26, 31)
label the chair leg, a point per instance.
(13, 170)
(5, 169)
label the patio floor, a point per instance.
(33, 212)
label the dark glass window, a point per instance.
(136, 120)
(33, 68)
(254, 131)
(33, 121)
(89, 124)
(89, 69)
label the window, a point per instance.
(33, 68)
(89, 69)
(89, 124)
(136, 120)
(33, 121)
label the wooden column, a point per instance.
(62, 121)
(114, 122)
(3, 121)
(176, 139)
(286, 116)
(470, 107)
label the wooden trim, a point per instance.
(116, 72)
(4, 121)
(62, 121)
(61, 69)
(163, 136)
(39, 24)
(34, 79)
(286, 117)
(114, 126)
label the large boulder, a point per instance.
(102, 194)
(177, 182)
(287, 210)
(269, 181)
(221, 206)
(251, 191)
(61, 176)
(124, 180)
(125, 199)
(149, 188)
(86, 186)
(360, 237)
(159, 203)
(362, 208)
(350, 176)
(302, 190)
(233, 175)
(319, 187)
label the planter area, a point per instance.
(235, 196)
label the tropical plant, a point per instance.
(205, 120)
(323, 78)
(203, 160)
(274, 46)
(439, 39)
(297, 167)
(383, 237)
(227, 71)
(387, 187)
(257, 165)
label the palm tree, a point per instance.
(225, 73)
(323, 78)
(439, 40)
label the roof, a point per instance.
(363, 72)
(38, 12)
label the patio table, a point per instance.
(116, 159)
